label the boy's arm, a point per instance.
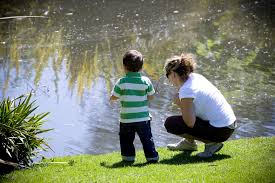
(115, 92)
(150, 91)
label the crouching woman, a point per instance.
(206, 115)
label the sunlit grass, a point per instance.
(244, 160)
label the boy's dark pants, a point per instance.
(127, 136)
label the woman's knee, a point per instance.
(172, 123)
(168, 124)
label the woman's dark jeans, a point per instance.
(202, 129)
(127, 136)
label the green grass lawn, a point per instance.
(244, 160)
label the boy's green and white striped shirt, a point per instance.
(132, 91)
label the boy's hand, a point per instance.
(150, 97)
(112, 98)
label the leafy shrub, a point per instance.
(19, 130)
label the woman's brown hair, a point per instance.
(183, 65)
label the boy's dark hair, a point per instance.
(133, 61)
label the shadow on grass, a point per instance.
(122, 164)
(186, 158)
(4, 179)
(181, 158)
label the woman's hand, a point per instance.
(176, 100)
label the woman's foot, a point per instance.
(183, 145)
(210, 149)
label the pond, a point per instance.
(70, 56)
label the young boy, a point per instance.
(133, 92)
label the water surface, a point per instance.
(72, 56)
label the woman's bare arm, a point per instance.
(187, 110)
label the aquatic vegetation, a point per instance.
(20, 130)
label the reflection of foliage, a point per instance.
(9, 6)
(14, 55)
(237, 57)
(219, 38)
(208, 50)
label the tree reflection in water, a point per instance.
(78, 48)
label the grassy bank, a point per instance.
(244, 160)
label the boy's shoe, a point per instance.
(183, 145)
(152, 160)
(128, 158)
(210, 149)
(128, 162)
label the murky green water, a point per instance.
(72, 56)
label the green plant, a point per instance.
(19, 130)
